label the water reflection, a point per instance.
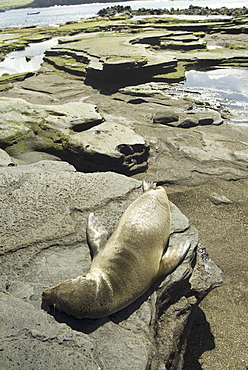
(227, 87)
(226, 79)
(27, 60)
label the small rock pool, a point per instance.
(28, 59)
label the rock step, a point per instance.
(109, 147)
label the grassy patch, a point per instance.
(10, 4)
(67, 63)
(5, 87)
(17, 149)
(6, 78)
(48, 140)
(176, 76)
(238, 45)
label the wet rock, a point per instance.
(107, 59)
(110, 147)
(188, 122)
(165, 117)
(125, 71)
(44, 229)
(177, 40)
(71, 62)
(188, 119)
(199, 117)
(206, 121)
(28, 58)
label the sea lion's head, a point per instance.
(59, 296)
(77, 297)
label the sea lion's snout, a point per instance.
(47, 297)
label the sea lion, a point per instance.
(125, 264)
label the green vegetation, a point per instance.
(35, 136)
(10, 4)
(5, 87)
(6, 78)
(13, 133)
(17, 148)
(48, 140)
(238, 46)
(175, 76)
(67, 64)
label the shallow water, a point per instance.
(16, 62)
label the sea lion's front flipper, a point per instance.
(172, 258)
(96, 235)
(147, 185)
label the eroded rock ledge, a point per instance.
(68, 131)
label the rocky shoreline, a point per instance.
(79, 135)
(191, 10)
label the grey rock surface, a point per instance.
(67, 131)
(43, 219)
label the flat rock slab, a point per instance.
(43, 220)
(50, 88)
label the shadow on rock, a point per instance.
(86, 326)
(200, 339)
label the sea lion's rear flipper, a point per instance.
(96, 234)
(172, 258)
(147, 185)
